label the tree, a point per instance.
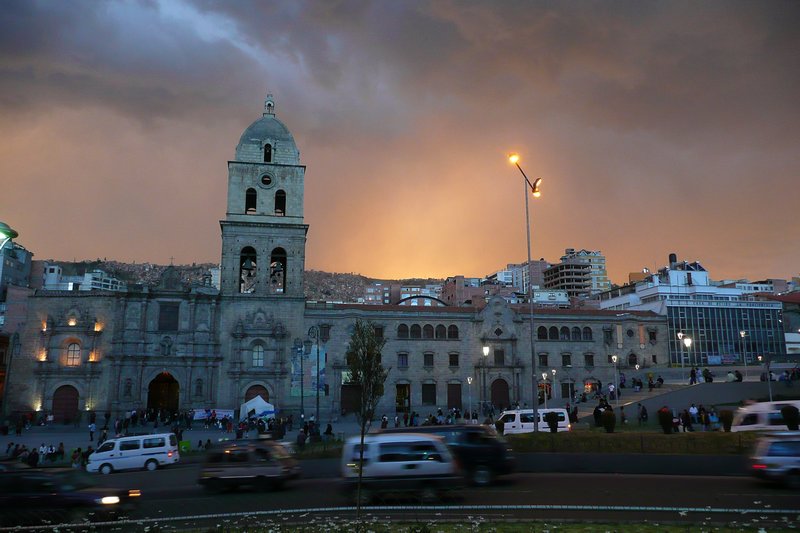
(367, 372)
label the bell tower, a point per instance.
(263, 233)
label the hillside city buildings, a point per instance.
(247, 329)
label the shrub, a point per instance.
(726, 417)
(665, 420)
(791, 415)
(609, 420)
(552, 421)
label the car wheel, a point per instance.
(481, 476)
(106, 469)
(151, 465)
(792, 480)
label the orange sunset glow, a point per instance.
(655, 128)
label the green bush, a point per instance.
(609, 420)
(791, 415)
(726, 417)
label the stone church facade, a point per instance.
(176, 347)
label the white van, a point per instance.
(413, 463)
(132, 453)
(521, 420)
(762, 416)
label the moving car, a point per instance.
(137, 452)
(522, 420)
(54, 495)
(261, 464)
(761, 416)
(409, 463)
(481, 453)
(777, 458)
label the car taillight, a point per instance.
(134, 493)
(759, 466)
(169, 454)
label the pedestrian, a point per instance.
(328, 435)
(405, 419)
(396, 421)
(76, 458)
(92, 428)
(301, 439)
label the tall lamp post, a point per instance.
(483, 387)
(552, 385)
(742, 335)
(301, 352)
(469, 389)
(534, 190)
(768, 373)
(614, 360)
(687, 341)
(313, 332)
(544, 382)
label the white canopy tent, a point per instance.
(256, 407)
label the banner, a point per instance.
(202, 414)
(304, 372)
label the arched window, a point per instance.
(402, 331)
(267, 153)
(416, 331)
(258, 355)
(250, 197)
(452, 332)
(552, 333)
(73, 354)
(427, 331)
(541, 333)
(198, 387)
(441, 332)
(280, 203)
(576, 333)
(564, 333)
(587, 333)
(248, 270)
(632, 359)
(277, 271)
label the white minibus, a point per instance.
(132, 453)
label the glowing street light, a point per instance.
(534, 190)
(469, 388)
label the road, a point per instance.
(173, 492)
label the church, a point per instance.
(176, 347)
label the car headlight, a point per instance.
(109, 500)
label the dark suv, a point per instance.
(263, 464)
(51, 496)
(481, 453)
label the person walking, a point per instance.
(92, 428)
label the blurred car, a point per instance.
(777, 458)
(52, 496)
(261, 464)
(410, 463)
(482, 454)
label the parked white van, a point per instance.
(762, 416)
(521, 420)
(416, 463)
(132, 453)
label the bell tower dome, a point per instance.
(263, 233)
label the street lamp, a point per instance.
(687, 341)
(554, 380)
(302, 353)
(483, 392)
(469, 389)
(768, 374)
(534, 190)
(616, 384)
(314, 333)
(742, 335)
(6, 234)
(544, 390)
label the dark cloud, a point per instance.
(659, 127)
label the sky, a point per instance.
(656, 127)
